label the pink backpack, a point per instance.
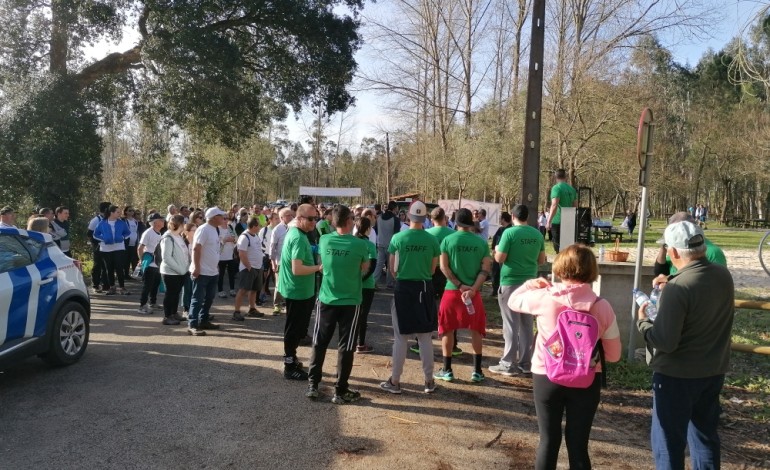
(572, 349)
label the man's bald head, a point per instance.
(306, 210)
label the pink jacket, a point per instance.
(545, 303)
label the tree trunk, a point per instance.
(59, 38)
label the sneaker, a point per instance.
(477, 377)
(364, 348)
(195, 331)
(294, 373)
(222, 294)
(502, 370)
(456, 351)
(312, 392)
(112, 291)
(208, 326)
(144, 310)
(232, 293)
(124, 292)
(178, 317)
(253, 312)
(348, 396)
(388, 386)
(276, 310)
(238, 317)
(525, 372)
(430, 386)
(186, 314)
(155, 306)
(170, 321)
(445, 375)
(415, 348)
(97, 290)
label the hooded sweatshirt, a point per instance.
(546, 303)
(387, 225)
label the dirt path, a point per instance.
(148, 396)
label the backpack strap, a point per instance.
(599, 349)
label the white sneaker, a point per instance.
(232, 293)
(222, 294)
(144, 310)
(388, 386)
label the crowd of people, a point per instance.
(332, 260)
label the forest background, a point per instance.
(194, 112)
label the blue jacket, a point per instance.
(104, 234)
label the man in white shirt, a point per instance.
(276, 246)
(249, 269)
(172, 211)
(151, 272)
(483, 225)
(7, 218)
(205, 272)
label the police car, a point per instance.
(44, 304)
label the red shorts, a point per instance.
(453, 315)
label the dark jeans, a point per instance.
(297, 321)
(495, 277)
(685, 412)
(131, 260)
(551, 403)
(150, 284)
(204, 289)
(174, 285)
(187, 295)
(363, 316)
(328, 317)
(231, 268)
(98, 273)
(269, 274)
(113, 262)
(555, 236)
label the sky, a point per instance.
(368, 117)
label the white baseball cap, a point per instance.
(212, 212)
(418, 212)
(683, 235)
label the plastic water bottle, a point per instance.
(601, 253)
(641, 298)
(654, 296)
(469, 305)
(137, 274)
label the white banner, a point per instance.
(493, 210)
(330, 192)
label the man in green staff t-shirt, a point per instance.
(413, 259)
(520, 251)
(562, 195)
(345, 259)
(296, 283)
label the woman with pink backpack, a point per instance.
(576, 332)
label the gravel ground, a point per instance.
(150, 396)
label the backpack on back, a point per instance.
(573, 349)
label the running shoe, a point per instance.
(253, 312)
(170, 321)
(294, 373)
(389, 387)
(232, 293)
(502, 370)
(477, 377)
(364, 348)
(348, 396)
(430, 386)
(238, 317)
(456, 351)
(312, 392)
(415, 348)
(222, 294)
(144, 310)
(445, 375)
(276, 310)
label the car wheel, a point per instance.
(69, 335)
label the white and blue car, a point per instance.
(44, 305)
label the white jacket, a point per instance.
(176, 257)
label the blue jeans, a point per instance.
(204, 289)
(685, 412)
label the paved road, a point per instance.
(150, 396)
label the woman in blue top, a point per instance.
(112, 233)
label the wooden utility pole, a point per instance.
(387, 167)
(530, 167)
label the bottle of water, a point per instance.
(641, 298)
(469, 305)
(601, 253)
(654, 296)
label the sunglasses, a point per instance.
(310, 219)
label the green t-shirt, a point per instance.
(566, 195)
(372, 248)
(262, 220)
(465, 251)
(440, 233)
(713, 254)
(323, 226)
(341, 257)
(296, 246)
(523, 244)
(414, 250)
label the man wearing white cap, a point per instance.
(691, 341)
(205, 272)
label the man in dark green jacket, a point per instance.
(691, 341)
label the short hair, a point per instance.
(176, 221)
(368, 212)
(294, 206)
(521, 212)
(110, 210)
(363, 225)
(437, 214)
(561, 174)
(392, 205)
(196, 215)
(506, 217)
(38, 224)
(483, 212)
(45, 210)
(61, 209)
(576, 263)
(340, 216)
(306, 199)
(103, 206)
(284, 211)
(253, 222)
(692, 253)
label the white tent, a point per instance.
(329, 192)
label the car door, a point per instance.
(27, 290)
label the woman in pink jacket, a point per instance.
(577, 269)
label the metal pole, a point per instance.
(387, 166)
(530, 164)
